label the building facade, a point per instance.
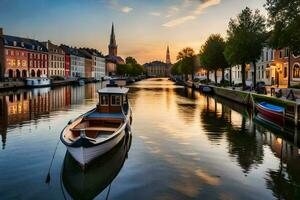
(16, 58)
(157, 69)
(98, 63)
(76, 60)
(56, 59)
(37, 58)
(88, 63)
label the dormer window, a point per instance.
(32, 46)
(22, 44)
(15, 43)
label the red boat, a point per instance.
(270, 112)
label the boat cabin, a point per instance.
(113, 100)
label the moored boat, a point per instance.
(205, 89)
(38, 82)
(270, 112)
(78, 184)
(99, 130)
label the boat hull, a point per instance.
(84, 155)
(270, 115)
(43, 82)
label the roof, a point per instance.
(113, 90)
(114, 59)
(24, 43)
(72, 50)
(156, 64)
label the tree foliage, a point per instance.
(284, 18)
(186, 61)
(246, 36)
(131, 68)
(212, 54)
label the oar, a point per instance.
(47, 181)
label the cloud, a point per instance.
(125, 9)
(155, 13)
(193, 15)
(179, 21)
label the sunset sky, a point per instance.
(143, 27)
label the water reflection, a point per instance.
(20, 107)
(88, 184)
(186, 146)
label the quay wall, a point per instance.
(292, 108)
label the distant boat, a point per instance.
(99, 130)
(78, 184)
(38, 82)
(270, 112)
(205, 89)
(81, 82)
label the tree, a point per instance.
(245, 41)
(122, 69)
(187, 62)
(212, 55)
(284, 18)
(176, 68)
(131, 67)
(230, 60)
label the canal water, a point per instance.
(184, 145)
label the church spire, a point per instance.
(112, 36)
(112, 47)
(168, 58)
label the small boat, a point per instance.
(205, 89)
(89, 184)
(38, 82)
(270, 112)
(81, 82)
(99, 130)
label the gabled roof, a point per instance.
(113, 90)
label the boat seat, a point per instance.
(100, 128)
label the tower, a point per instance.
(112, 47)
(168, 59)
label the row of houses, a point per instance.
(272, 68)
(24, 57)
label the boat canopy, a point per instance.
(113, 90)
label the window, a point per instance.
(296, 71)
(286, 52)
(285, 71)
(267, 56)
(280, 54)
(6, 52)
(115, 100)
(272, 55)
(104, 100)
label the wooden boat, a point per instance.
(78, 184)
(99, 130)
(270, 112)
